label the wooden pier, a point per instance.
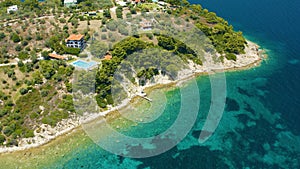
(144, 96)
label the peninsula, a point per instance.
(44, 43)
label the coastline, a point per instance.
(252, 58)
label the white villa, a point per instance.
(13, 8)
(68, 3)
(75, 41)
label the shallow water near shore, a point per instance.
(244, 121)
(259, 128)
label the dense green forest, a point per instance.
(166, 62)
(222, 35)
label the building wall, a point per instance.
(75, 43)
(12, 8)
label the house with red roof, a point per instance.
(75, 41)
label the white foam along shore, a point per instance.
(252, 58)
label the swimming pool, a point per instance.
(84, 65)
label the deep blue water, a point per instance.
(259, 128)
(274, 24)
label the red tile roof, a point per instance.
(107, 57)
(75, 37)
(52, 55)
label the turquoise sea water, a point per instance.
(260, 125)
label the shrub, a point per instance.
(123, 30)
(3, 112)
(12, 142)
(69, 87)
(104, 29)
(66, 28)
(14, 78)
(8, 130)
(128, 15)
(72, 51)
(132, 11)
(34, 115)
(62, 20)
(45, 55)
(55, 117)
(18, 48)
(149, 35)
(44, 93)
(39, 37)
(37, 78)
(28, 48)
(102, 105)
(29, 133)
(106, 13)
(10, 73)
(104, 20)
(109, 99)
(2, 139)
(74, 23)
(42, 21)
(103, 36)
(48, 120)
(111, 26)
(23, 55)
(119, 12)
(23, 91)
(15, 38)
(230, 56)
(2, 35)
(28, 38)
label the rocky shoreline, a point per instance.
(252, 58)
